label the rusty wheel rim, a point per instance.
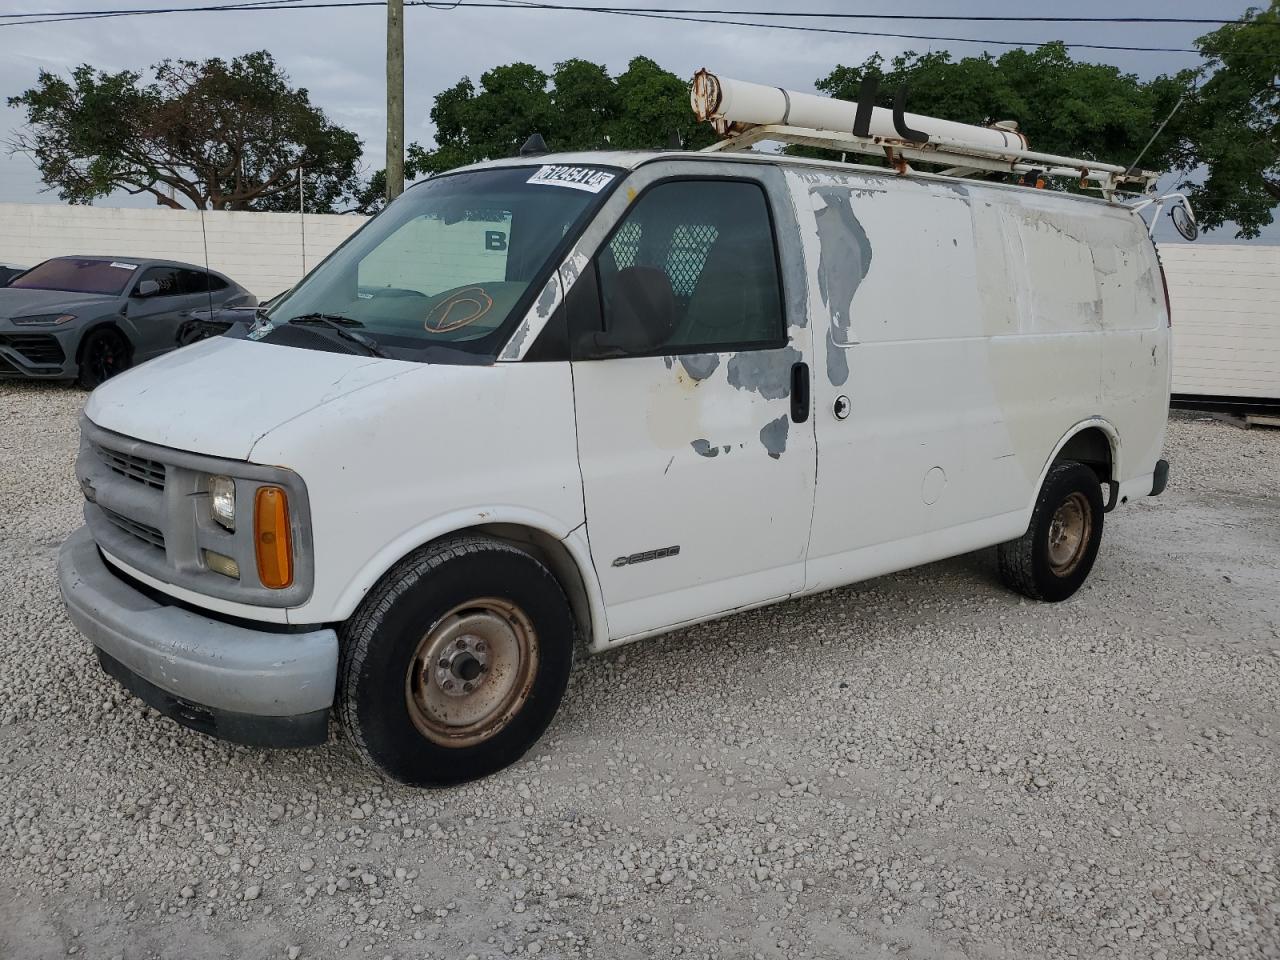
(1069, 533)
(472, 672)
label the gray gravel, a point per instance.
(924, 765)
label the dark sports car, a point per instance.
(88, 318)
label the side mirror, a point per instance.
(147, 288)
(641, 315)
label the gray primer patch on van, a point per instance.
(774, 436)
(767, 372)
(843, 264)
(703, 448)
(699, 366)
(548, 298)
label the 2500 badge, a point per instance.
(647, 555)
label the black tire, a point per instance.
(103, 354)
(385, 647)
(1042, 570)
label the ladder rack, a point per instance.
(748, 113)
(961, 159)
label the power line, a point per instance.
(636, 12)
(74, 16)
(826, 15)
(654, 13)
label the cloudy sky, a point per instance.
(339, 54)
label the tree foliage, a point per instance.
(210, 134)
(578, 106)
(1088, 110)
(1224, 141)
(1233, 126)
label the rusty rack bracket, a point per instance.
(962, 159)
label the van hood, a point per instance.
(220, 396)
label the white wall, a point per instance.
(261, 251)
(1226, 318)
(1226, 297)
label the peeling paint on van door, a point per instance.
(693, 461)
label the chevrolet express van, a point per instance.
(563, 402)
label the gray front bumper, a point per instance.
(248, 685)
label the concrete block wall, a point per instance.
(262, 251)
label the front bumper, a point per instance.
(37, 354)
(251, 686)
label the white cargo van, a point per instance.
(578, 400)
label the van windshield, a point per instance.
(451, 264)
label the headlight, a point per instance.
(45, 319)
(222, 501)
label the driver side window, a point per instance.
(692, 269)
(166, 277)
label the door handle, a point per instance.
(800, 392)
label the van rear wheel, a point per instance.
(1052, 559)
(456, 662)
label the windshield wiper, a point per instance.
(339, 324)
(332, 319)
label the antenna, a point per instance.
(208, 286)
(533, 146)
(302, 220)
(1159, 129)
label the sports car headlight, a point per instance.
(222, 501)
(45, 319)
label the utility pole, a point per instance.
(395, 99)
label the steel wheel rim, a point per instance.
(471, 672)
(1069, 533)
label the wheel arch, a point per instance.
(104, 324)
(1094, 442)
(566, 555)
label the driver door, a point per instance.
(691, 389)
(154, 320)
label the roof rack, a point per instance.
(748, 113)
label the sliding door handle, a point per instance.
(800, 392)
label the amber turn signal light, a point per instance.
(272, 542)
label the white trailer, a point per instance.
(1226, 322)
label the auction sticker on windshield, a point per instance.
(578, 178)
(124, 266)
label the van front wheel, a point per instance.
(1052, 559)
(456, 662)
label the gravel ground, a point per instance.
(923, 765)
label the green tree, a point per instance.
(578, 106)
(653, 106)
(1064, 106)
(1233, 133)
(211, 134)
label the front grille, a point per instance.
(150, 472)
(144, 532)
(38, 348)
(7, 367)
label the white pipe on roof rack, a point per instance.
(730, 101)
